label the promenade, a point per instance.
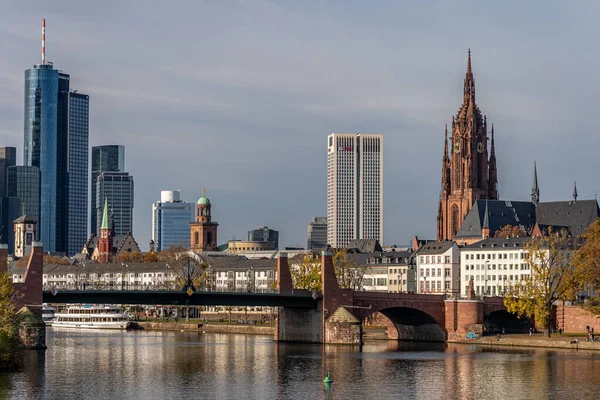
(537, 340)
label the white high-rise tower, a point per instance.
(354, 188)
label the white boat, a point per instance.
(88, 316)
(47, 314)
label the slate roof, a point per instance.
(575, 215)
(499, 243)
(365, 245)
(500, 213)
(435, 248)
(118, 240)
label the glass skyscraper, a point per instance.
(109, 158)
(77, 172)
(46, 147)
(171, 219)
(8, 157)
(117, 189)
(24, 182)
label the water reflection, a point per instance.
(149, 365)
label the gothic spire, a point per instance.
(535, 190)
(492, 171)
(105, 224)
(446, 145)
(469, 82)
(493, 147)
(575, 191)
(486, 218)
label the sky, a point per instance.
(238, 97)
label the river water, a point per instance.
(82, 364)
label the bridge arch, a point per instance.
(496, 320)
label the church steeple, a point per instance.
(535, 190)
(493, 172)
(469, 90)
(575, 191)
(446, 164)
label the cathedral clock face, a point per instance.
(480, 147)
(457, 147)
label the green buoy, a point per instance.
(327, 378)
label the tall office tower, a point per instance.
(109, 158)
(78, 172)
(47, 143)
(317, 234)
(354, 188)
(117, 189)
(9, 211)
(8, 158)
(24, 182)
(171, 219)
(264, 234)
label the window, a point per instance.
(439, 259)
(447, 259)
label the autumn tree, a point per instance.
(349, 274)
(587, 260)
(130, 257)
(190, 274)
(510, 231)
(307, 273)
(51, 260)
(8, 324)
(553, 276)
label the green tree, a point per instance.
(307, 274)
(349, 274)
(552, 277)
(8, 325)
(587, 261)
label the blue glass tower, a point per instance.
(41, 144)
(108, 158)
(77, 200)
(171, 219)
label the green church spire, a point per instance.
(105, 224)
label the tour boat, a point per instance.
(47, 314)
(88, 316)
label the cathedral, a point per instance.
(468, 168)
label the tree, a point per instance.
(49, 259)
(347, 271)
(510, 231)
(190, 274)
(133, 257)
(150, 257)
(553, 277)
(8, 325)
(587, 260)
(307, 274)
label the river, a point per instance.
(82, 364)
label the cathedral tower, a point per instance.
(468, 174)
(203, 232)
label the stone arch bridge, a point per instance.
(419, 317)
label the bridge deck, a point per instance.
(180, 298)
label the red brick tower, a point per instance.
(203, 232)
(105, 242)
(467, 174)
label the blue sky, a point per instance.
(238, 97)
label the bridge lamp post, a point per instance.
(400, 279)
(424, 284)
(487, 265)
(122, 278)
(166, 272)
(457, 287)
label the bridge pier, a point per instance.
(28, 298)
(463, 316)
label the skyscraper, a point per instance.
(117, 189)
(24, 182)
(48, 141)
(8, 158)
(171, 219)
(317, 234)
(78, 172)
(354, 188)
(109, 158)
(264, 234)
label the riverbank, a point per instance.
(537, 340)
(205, 328)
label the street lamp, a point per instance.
(122, 279)
(424, 284)
(166, 272)
(456, 280)
(400, 280)
(487, 265)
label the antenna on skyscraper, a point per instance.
(43, 41)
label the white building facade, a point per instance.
(494, 264)
(438, 268)
(354, 188)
